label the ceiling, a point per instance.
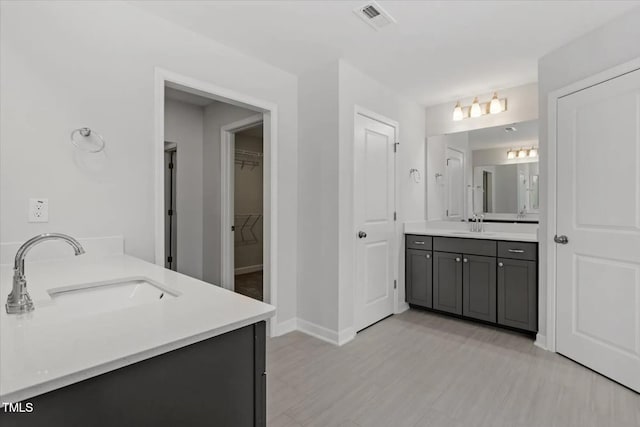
(526, 135)
(438, 51)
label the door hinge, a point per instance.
(170, 212)
(447, 212)
(170, 165)
(233, 228)
(395, 147)
(395, 284)
(169, 259)
(395, 216)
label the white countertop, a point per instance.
(50, 348)
(493, 231)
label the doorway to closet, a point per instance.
(247, 188)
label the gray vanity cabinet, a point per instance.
(447, 282)
(479, 287)
(488, 280)
(517, 294)
(419, 277)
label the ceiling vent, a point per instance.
(374, 15)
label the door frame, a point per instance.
(397, 307)
(464, 213)
(172, 147)
(269, 111)
(227, 209)
(548, 250)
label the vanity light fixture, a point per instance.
(533, 152)
(475, 111)
(457, 112)
(522, 153)
(495, 106)
(478, 109)
(511, 154)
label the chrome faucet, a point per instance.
(19, 300)
(476, 223)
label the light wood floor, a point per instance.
(423, 369)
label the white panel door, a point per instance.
(598, 200)
(374, 191)
(455, 184)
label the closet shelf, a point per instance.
(245, 228)
(248, 158)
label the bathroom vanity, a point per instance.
(119, 341)
(489, 277)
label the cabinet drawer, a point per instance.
(518, 250)
(419, 242)
(465, 246)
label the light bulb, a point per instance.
(533, 152)
(457, 112)
(522, 153)
(511, 154)
(475, 108)
(495, 106)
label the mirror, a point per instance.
(490, 171)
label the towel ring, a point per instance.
(86, 133)
(415, 174)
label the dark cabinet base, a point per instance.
(489, 281)
(217, 382)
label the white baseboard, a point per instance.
(346, 335)
(248, 269)
(541, 341)
(402, 307)
(318, 331)
(287, 326)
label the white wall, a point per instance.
(318, 197)
(216, 115)
(248, 199)
(71, 64)
(610, 45)
(327, 98)
(356, 88)
(183, 124)
(522, 105)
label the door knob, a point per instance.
(500, 264)
(563, 240)
(428, 256)
(465, 260)
(457, 259)
(362, 234)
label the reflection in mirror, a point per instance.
(496, 173)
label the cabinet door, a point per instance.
(419, 277)
(447, 282)
(479, 287)
(517, 294)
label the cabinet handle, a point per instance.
(457, 259)
(465, 260)
(428, 256)
(500, 264)
(516, 251)
(418, 243)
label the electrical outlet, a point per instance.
(38, 210)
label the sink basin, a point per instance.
(100, 297)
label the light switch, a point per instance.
(39, 210)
